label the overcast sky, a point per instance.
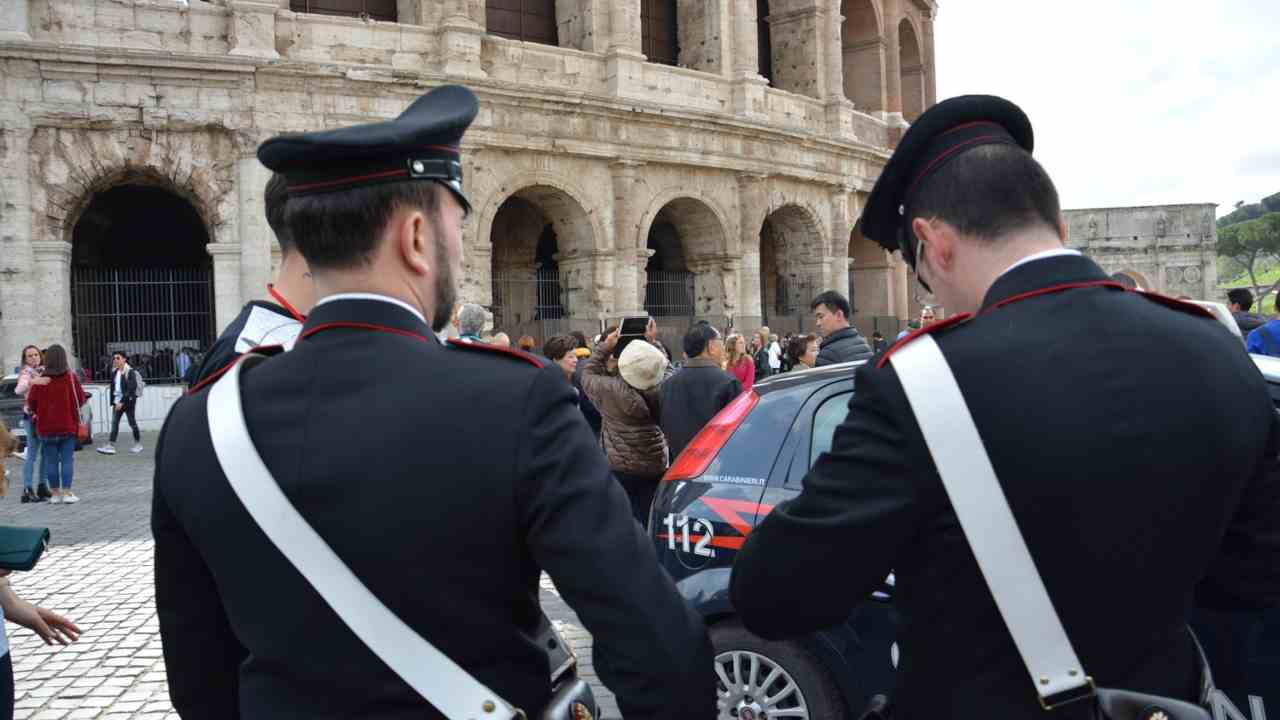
(1134, 102)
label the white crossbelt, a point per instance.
(437, 678)
(987, 521)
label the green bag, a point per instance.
(21, 547)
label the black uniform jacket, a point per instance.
(259, 323)
(446, 478)
(1135, 444)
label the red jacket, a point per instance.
(52, 405)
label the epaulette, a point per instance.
(485, 347)
(1176, 304)
(268, 350)
(926, 330)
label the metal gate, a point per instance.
(668, 298)
(532, 304)
(787, 311)
(162, 318)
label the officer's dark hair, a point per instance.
(834, 301)
(1241, 297)
(341, 230)
(558, 346)
(275, 198)
(698, 338)
(988, 192)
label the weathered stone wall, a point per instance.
(1171, 249)
(591, 138)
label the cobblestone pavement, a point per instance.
(98, 572)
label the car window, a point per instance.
(825, 420)
(1274, 390)
(7, 390)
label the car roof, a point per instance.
(811, 376)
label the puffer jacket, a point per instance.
(843, 345)
(633, 442)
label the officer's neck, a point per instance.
(370, 281)
(294, 282)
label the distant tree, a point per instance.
(1272, 203)
(1249, 244)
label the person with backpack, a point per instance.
(126, 388)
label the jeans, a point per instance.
(128, 411)
(60, 450)
(6, 687)
(640, 491)
(34, 447)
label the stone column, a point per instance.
(900, 287)
(51, 273)
(461, 35)
(841, 228)
(839, 108)
(930, 66)
(226, 282)
(628, 270)
(748, 86)
(794, 28)
(586, 279)
(15, 21)
(892, 58)
(256, 238)
(752, 195)
(17, 288)
(251, 29)
(624, 63)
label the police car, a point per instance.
(753, 456)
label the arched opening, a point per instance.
(764, 40)
(913, 81)
(787, 236)
(372, 9)
(141, 282)
(526, 20)
(530, 231)
(870, 285)
(678, 288)
(863, 50)
(660, 31)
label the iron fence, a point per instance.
(785, 304)
(529, 303)
(162, 318)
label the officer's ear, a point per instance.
(413, 237)
(937, 242)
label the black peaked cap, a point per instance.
(942, 133)
(423, 143)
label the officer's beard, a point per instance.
(446, 289)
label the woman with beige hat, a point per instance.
(625, 391)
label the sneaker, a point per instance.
(55, 500)
(20, 454)
(107, 449)
(136, 449)
(70, 498)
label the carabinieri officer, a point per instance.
(1134, 439)
(446, 478)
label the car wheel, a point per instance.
(758, 679)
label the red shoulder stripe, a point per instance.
(1054, 289)
(223, 370)
(485, 347)
(941, 324)
(1176, 304)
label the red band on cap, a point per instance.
(307, 187)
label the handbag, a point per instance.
(432, 674)
(84, 434)
(1002, 554)
(21, 547)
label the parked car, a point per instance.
(753, 456)
(11, 411)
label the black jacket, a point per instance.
(466, 517)
(693, 396)
(1248, 322)
(843, 345)
(259, 323)
(1141, 481)
(128, 387)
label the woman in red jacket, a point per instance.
(56, 407)
(738, 362)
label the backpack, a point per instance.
(137, 378)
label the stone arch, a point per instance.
(791, 252)
(1133, 279)
(911, 63)
(578, 240)
(141, 278)
(685, 237)
(863, 48)
(530, 232)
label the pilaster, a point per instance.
(892, 58)
(628, 276)
(15, 21)
(461, 36)
(794, 28)
(255, 235)
(51, 272)
(226, 281)
(251, 29)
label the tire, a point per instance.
(815, 690)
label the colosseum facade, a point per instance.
(692, 158)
